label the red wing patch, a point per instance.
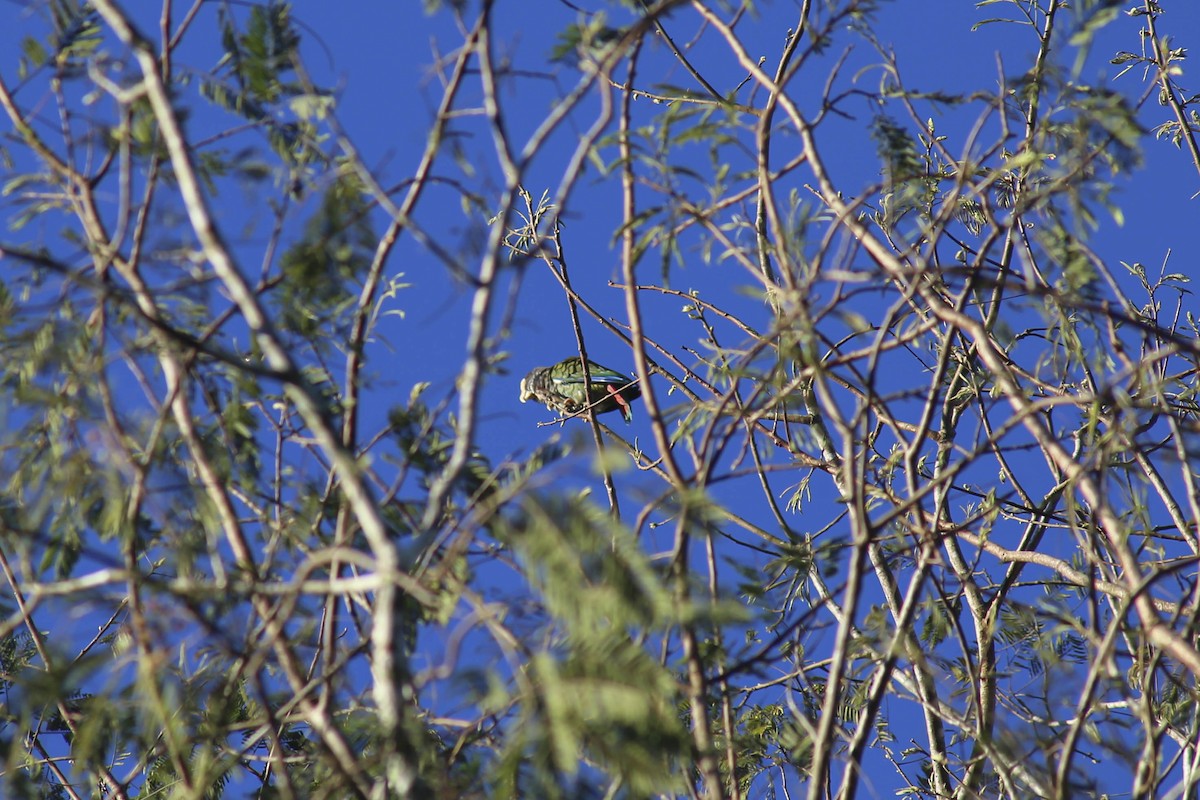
(621, 401)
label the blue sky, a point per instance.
(378, 56)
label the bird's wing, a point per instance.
(605, 377)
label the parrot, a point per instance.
(561, 388)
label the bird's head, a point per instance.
(530, 384)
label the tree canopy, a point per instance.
(909, 501)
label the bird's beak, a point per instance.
(524, 393)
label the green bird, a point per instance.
(562, 388)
